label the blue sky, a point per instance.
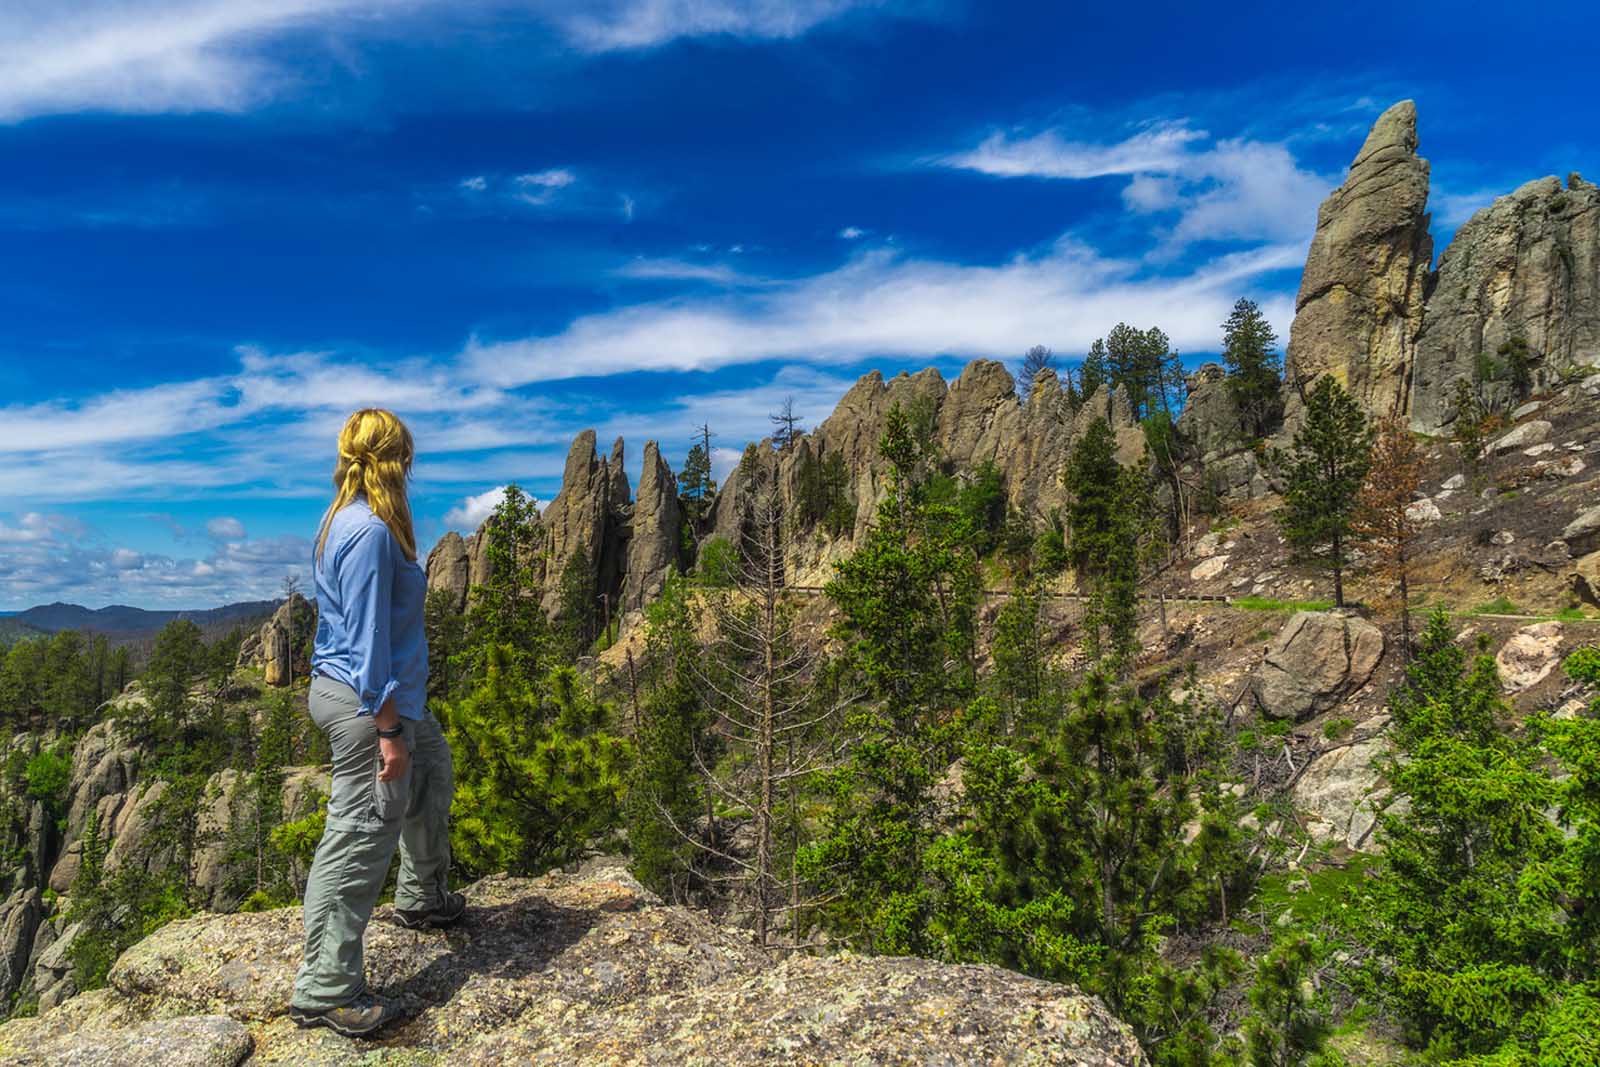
(226, 223)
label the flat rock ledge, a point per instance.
(588, 968)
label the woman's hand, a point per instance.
(396, 758)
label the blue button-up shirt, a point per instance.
(369, 614)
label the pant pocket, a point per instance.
(389, 799)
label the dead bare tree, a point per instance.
(779, 729)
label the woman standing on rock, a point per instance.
(392, 775)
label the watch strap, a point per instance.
(398, 731)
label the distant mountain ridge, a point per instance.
(120, 619)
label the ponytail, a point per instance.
(375, 455)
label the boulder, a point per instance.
(573, 969)
(1582, 534)
(1529, 655)
(187, 1041)
(1529, 433)
(1315, 661)
(653, 542)
(1423, 512)
(1208, 568)
(1342, 792)
(1525, 268)
(1360, 302)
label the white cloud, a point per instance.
(470, 513)
(627, 206)
(477, 183)
(653, 269)
(225, 528)
(1452, 209)
(555, 178)
(63, 559)
(617, 25)
(881, 304)
(1159, 148)
(851, 233)
(153, 56)
(1233, 190)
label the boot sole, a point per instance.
(312, 1020)
(428, 922)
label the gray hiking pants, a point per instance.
(366, 820)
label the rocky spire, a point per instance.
(577, 517)
(1360, 303)
(653, 542)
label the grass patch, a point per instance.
(1330, 894)
(1573, 614)
(1500, 605)
(1261, 603)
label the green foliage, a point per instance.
(1110, 522)
(719, 563)
(822, 494)
(696, 487)
(48, 774)
(1079, 833)
(538, 775)
(1518, 361)
(1261, 603)
(665, 791)
(504, 613)
(578, 617)
(908, 600)
(1500, 605)
(1324, 469)
(1254, 368)
(1286, 1025)
(1484, 917)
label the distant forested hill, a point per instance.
(119, 620)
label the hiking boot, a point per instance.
(447, 912)
(363, 1016)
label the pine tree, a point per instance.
(696, 487)
(1254, 368)
(1383, 513)
(1469, 431)
(1108, 522)
(538, 772)
(504, 612)
(908, 604)
(1324, 469)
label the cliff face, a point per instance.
(1528, 268)
(1360, 302)
(577, 969)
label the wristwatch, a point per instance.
(398, 731)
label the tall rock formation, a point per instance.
(653, 540)
(1527, 267)
(450, 569)
(281, 649)
(575, 521)
(1361, 297)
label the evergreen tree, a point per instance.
(504, 613)
(696, 488)
(1469, 431)
(578, 606)
(907, 599)
(1108, 522)
(1324, 469)
(667, 786)
(1254, 368)
(1095, 372)
(1485, 912)
(538, 772)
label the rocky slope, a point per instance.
(587, 968)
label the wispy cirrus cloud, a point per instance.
(883, 304)
(1232, 189)
(155, 56)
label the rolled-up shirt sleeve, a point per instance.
(366, 584)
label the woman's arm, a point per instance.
(366, 586)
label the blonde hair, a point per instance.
(375, 454)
